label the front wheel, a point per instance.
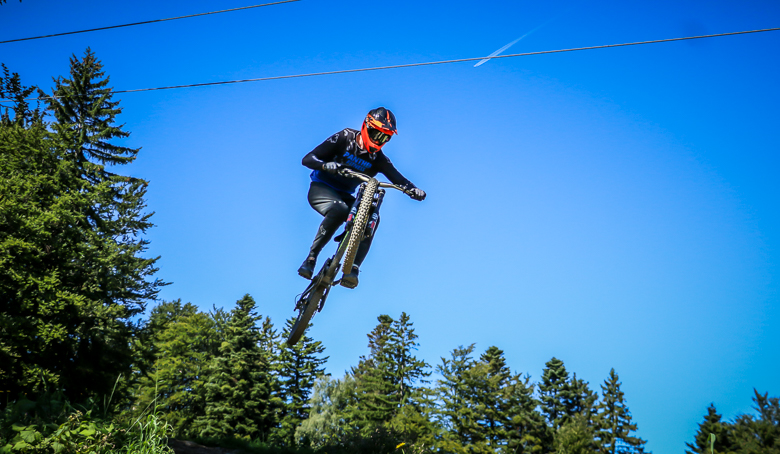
(359, 225)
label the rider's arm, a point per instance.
(386, 167)
(324, 152)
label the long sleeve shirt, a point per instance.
(342, 148)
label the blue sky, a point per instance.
(611, 208)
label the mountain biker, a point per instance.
(331, 194)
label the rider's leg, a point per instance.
(334, 206)
(365, 245)
(351, 279)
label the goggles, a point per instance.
(377, 136)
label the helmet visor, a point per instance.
(377, 136)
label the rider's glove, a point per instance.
(331, 167)
(417, 194)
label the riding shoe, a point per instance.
(307, 269)
(351, 280)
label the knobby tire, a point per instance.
(354, 237)
(359, 225)
(304, 315)
(316, 295)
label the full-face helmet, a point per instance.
(378, 127)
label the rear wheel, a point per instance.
(305, 314)
(359, 225)
(317, 292)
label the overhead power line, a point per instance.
(440, 62)
(148, 21)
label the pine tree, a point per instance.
(412, 420)
(73, 277)
(29, 206)
(386, 379)
(575, 436)
(85, 119)
(20, 113)
(555, 392)
(456, 414)
(711, 425)
(579, 400)
(237, 385)
(184, 340)
(299, 368)
(491, 376)
(614, 418)
(487, 408)
(375, 401)
(761, 434)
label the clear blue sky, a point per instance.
(612, 208)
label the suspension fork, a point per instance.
(355, 205)
(373, 222)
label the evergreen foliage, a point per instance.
(712, 425)
(184, 341)
(761, 434)
(237, 385)
(579, 400)
(71, 274)
(455, 412)
(575, 436)
(386, 380)
(299, 368)
(486, 408)
(614, 419)
(555, 393)
(85, 119)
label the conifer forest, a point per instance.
(83, 368)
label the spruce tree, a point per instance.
(299, 368)
(73, 277)
(575, 436)
(487, 408)
(711, 425)
(185, 340)
(614, 418)
(457, 414)
(506, 403)
(387, 378)
(555, 393)
(86, 119)
(30, 205)
(406, 369)
(580, 399)
(412, 420)
(375, 401)
(758, 434)
(237, 385)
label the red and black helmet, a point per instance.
(377, 129)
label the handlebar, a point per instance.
(343, 171)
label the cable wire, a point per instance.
(440, 62)
(148, 21)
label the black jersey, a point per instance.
(342, 148)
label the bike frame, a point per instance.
(318, 290)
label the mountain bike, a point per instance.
(361, 223)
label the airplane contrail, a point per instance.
(483, 61)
